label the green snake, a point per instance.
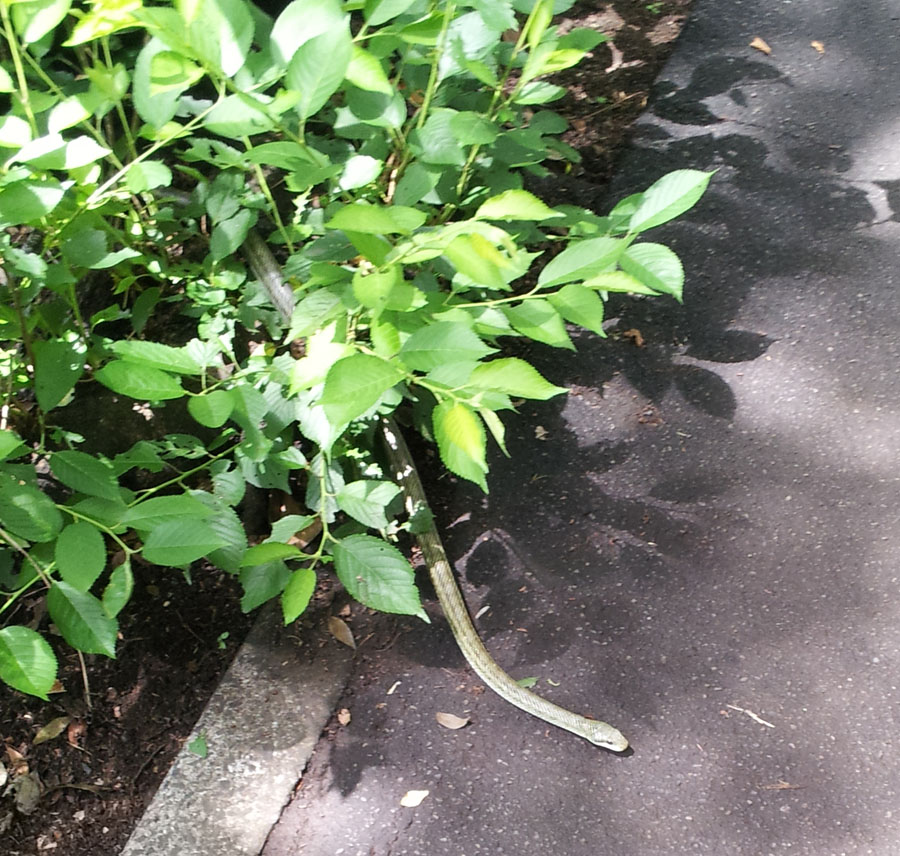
(268, 272)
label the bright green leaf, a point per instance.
(377, 219)
(514, 377)
(57, 367)
(318, 67)
(538, 320)
(461, 441)
(28, 513)
(80, 554)
(297, 594)
(11, 445)
(618, 281)
(82, 620)
(228, 235)
(377, 574)
(444, 342)
(669, 197)
(301, 21)
(27, 202)
(656, 266)
(579, 305)
(118, 590)
(475, 257)
(262, 583)
(27, 662)
(367, 501)
(157, 355)
(180, 542)
(354, 384)
(212, 409)
(581, 260)
(366, 72)
(269, 551)
(139, 381)
(85, 473)
(157, 510)
(515, 205)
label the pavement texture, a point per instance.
(700, 543)
(257, 733)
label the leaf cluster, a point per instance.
(382, 146)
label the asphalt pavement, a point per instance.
(700, 544)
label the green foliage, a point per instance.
(383, 147)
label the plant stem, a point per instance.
(13, 43)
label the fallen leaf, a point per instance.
(341, 632)
(760, 45)
(198, 746)
(635, 335)
(51, 730)
(18, 766)
(27, 792)
(451, 720)
(343, 716)
(413, 798)
(540, 432)
(527, 683)
(820, 48)
(781, 785)
(75, 733)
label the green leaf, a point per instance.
(239, 115)
(318, 67)
(118, 590)
(269, 551)
(82, 620)
(86, 474)
(262, 583)
(444, 342)
(34, 19)
(669, 197)
(473, 129)
(212, 409)
(435, 142)
(26, 203)
(379, 11)
(297, 594)
(579, 305)
(157, 355)
(539, 92)
(477, 258)
(377, 219)
(219, 30)
(367, 501)
(461, 441)
(515, 377)
(515, 205)
(301, 21)
(286, 527)
(27, 662)
(495, 426)
(57, 367)
(618, 281)
(198, 746)
(154, 106)
(354, 384)
(228, 235)
(581, 260)
(538, 320)
(157, 510)
(139, 381)
(80, 554)
(377, 575)
(28, 513)
(656, 266)
(180, 542)
(11, 445)
(366, 72)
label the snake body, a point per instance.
(268, 272)
(454, 607)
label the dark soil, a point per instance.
(102, 770)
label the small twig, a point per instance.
(751, 714)
(146, 763)
(84, 680)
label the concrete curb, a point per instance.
(260, 727)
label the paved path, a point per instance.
(704, 547)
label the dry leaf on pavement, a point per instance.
(413, 798)
(451, 720)
(343, 716)
(820, 48)
(760, 45)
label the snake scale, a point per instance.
(268, 272)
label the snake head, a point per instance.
(608, 737)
